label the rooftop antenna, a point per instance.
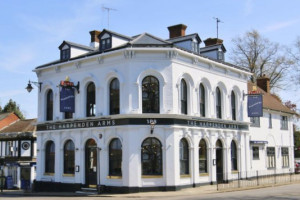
(108, 10)
(218, 21)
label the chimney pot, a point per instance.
(177, 30)
(212, 41)
(264, 83)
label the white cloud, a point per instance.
(280, 25)
(11, 93)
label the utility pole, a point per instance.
(218, 21)
(108, 10)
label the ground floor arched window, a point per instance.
(50, 157)
(202, 157)
(69, 157)
(184, 157)
(115, 158)
(151, 157)
(233, 156)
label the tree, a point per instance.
(291, 105)
(12, 106)
(261, 56)
(295, 55)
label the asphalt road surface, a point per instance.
(285, 192)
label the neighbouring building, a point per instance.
(143, 113)
(18, 153)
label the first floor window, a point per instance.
(271, 157)
(68, 115)
(255, 153)
(255, 121)
(284, 122)
(285, 156)
(151, 157)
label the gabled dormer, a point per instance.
(70, 50)
(214, 49)
(178, 38)
(109, 39)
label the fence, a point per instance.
(256, 178)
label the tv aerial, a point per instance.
(218, 21)
(108, 10)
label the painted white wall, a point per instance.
(77, 52)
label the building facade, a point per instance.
(18, 153)
(144, 114)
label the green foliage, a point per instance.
(12, 106)
(297, 143)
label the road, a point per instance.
(285, 192)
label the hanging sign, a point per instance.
(67, 99)
(255, 105)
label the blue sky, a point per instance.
(32, 30)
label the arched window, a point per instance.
(150, 94)
(233, 106)
(115, 158)
(184, 157)
(69, 157)
(49, 157)
(233, 156)
(49, 111)
(90, 100)
(202, 156)
(218, 103)
(202, 100)
(183, 97)
(151, 157)
(114, 97)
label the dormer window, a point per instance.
(195, 47)
(65, 54)
(105, 44)
(220, 55)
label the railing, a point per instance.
(256, 178)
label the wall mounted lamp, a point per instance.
(37, 84)
(152, 125)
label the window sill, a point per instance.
(114, 177)
(152, 176)
(255, 158)
(285, 167)
(185, 176)
(68, 175)
(48, 174)
(204, 174)
(234, 172)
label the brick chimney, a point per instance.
(177, 30)
(264, 83)
(94, 38)
(212, 41)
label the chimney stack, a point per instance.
(212, 41)
(94, 38)
(264, 83)
(177, 30)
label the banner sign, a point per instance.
(255, 105)
(67, 100)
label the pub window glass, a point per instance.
(49, 157)
(69, 157)
(202, 157)
(49, 111)
(114, 94)
(184, 157)
(271, 157)
(218, 103)
(233, 106)
(90, 100)
(183, 97)
(150, 95)
(233, 156)
(68, 115)
(151, 157)
(115, 158)
(202, 100)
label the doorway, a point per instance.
(219, 161)
(91, 163)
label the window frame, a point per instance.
(105, 43)
(50, 157)
(49, 105)
(270, 120)
(183, 97)
(184, 157)
(218, 103)
(69, 157)
(203, 160)
(65, 54)
(114, 97)
(271, 159)
(155, 153)
(202, 100)
(285, 157)
(234, 156)
(91, 100)
(255, 153)
(150, 105)
(283, 122)
(255, 121)
(233, 106)
(115, 157)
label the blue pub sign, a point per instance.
(255, 105)
(67, 99)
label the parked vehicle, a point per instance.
(297, 167)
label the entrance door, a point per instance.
(25, 177)
(91, 163)
(219, 160)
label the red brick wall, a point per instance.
(8, 120)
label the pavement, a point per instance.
(198, 191)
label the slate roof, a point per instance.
(271, 101)
(148, 39)
(80, 46)
(184, 38)
(114, 33)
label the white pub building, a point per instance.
(141, 113)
